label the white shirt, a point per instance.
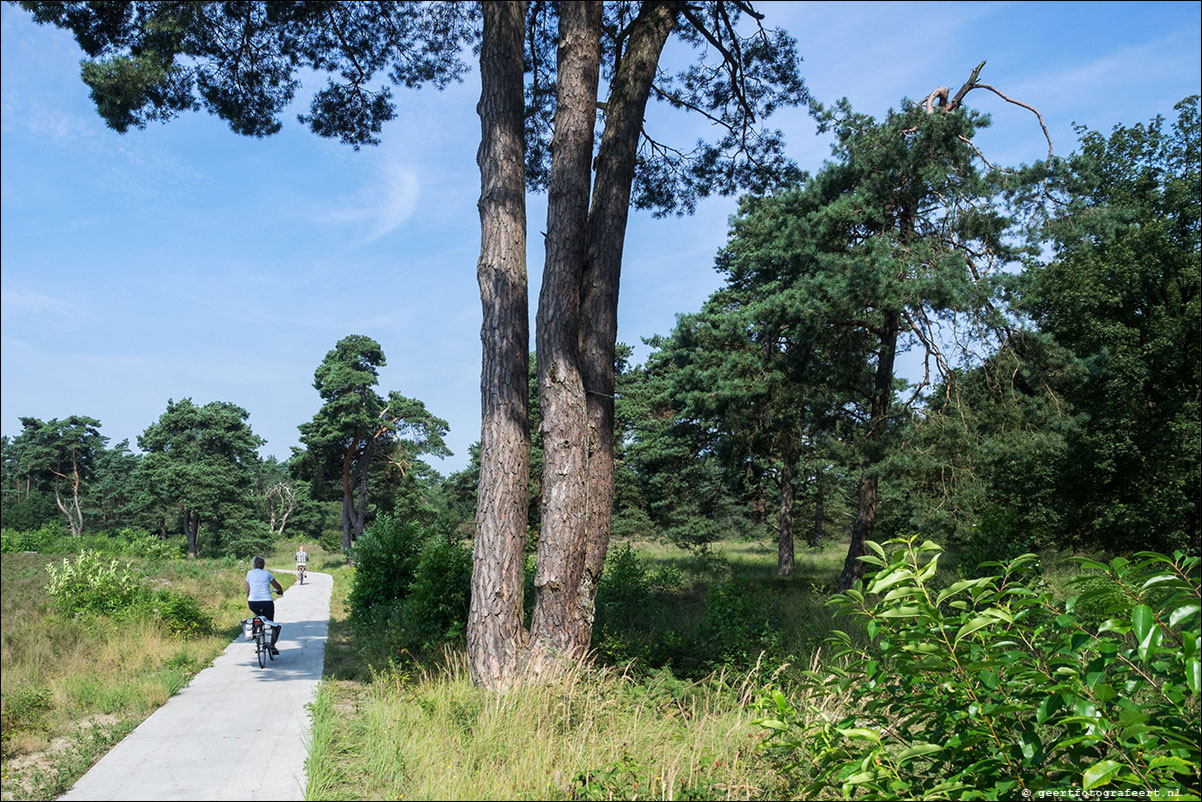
(260, 581)
(302, 557)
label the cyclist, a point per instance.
(302, 559)
(259, 583)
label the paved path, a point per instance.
(237, 732)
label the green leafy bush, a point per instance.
(88, 584)
(24, 708)
(988, 689)
(46, 540)
(245, 540)
(737, 627)
(180, 613)
(435, 608)
(386, 559)
(623, 588)
(412, 586)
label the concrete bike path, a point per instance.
(236, 731)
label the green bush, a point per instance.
(996, 538)
(435, 608)
(45, 540)
(738, 625)
(623, 588)
(88, 584)
(386, 560)
(23, 709)
(180, 613)
(988, 689)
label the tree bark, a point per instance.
(819, 533)
(347, 518)
(788, 495)
(58, 499)
(495, 635)
(560, 382)
(346, 522)
(615, 165)
(192, 532)
(882, 400)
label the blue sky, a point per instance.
(186, 261)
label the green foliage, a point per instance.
(88, 584)
(988, 688)
(1122, 297)
(251, 538)
(50, 539)
(25, 708)
(435, 609)
(29, 511)
(41, 540)
(385, 562)
(181, 614)
(740, 625)
(411, 585)
(629, 778)
(996, 538)
(624, 585)
(359, 439)
(201, 461)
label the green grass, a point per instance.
(675, 726)
(71, 688)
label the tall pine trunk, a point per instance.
(819, 531)
(788, 495)
(615, 165)
(882, 400)
(495, 635)
(192, 532)
(560, 381)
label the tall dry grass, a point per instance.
(71, 688)
(591, 732)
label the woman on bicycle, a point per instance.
(259, 583)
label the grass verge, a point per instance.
(71, 688)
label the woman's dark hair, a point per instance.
(259, 562)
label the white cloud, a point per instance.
(383, 205)
(20, 306)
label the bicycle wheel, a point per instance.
(261, 649)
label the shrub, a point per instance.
(738, 625)
(246, 542)
(623, 588)
(23, 709)
(386, 559)
(180, 613)
(88, 584)
(436, 605)
(153, 547)
(45, 540)
(988, 689)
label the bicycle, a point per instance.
(300, 573)
(258, 629)
(262, 640)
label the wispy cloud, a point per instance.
(383, 205)
(20, 305)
